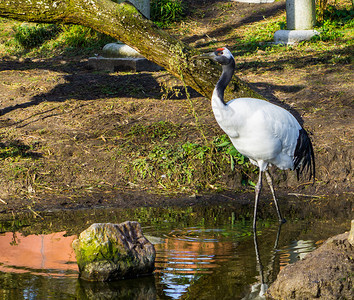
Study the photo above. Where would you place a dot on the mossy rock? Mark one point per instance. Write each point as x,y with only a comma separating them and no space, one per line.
107,252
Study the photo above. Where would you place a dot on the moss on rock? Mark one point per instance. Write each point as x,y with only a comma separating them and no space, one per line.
106,252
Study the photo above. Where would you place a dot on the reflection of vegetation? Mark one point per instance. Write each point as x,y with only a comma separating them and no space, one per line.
240,264
235,219
73,222
142,288
13,225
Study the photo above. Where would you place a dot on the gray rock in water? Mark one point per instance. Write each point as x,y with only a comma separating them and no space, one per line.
107,252
326,273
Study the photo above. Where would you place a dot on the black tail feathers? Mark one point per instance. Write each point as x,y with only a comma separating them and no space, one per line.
304,156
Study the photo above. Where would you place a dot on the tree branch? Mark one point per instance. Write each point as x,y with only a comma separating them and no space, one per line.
125,23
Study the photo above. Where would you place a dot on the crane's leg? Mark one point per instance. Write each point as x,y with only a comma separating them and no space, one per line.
257,191
270,183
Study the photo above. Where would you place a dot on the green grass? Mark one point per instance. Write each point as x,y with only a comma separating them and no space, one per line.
166,12
32,36
156,152
337,28
14,150
174,165
48,40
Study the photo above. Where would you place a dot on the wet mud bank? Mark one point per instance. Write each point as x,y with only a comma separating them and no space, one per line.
72,138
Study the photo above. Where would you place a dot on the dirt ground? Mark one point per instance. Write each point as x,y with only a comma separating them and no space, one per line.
65,122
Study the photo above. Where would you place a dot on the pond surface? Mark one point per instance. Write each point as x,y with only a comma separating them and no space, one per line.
202,253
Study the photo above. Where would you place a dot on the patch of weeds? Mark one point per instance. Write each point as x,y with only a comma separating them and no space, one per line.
328,32
16,149
43,131
333,21
172,166
77,39
135,89
31,36
169,92
76,36
161,130
48,40
224,145
340,16
166,12
188,166
109,90
258,36
17,172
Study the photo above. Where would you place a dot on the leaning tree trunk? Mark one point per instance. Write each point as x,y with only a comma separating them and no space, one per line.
125,23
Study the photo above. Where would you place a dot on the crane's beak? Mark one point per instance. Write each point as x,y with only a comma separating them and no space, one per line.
210,55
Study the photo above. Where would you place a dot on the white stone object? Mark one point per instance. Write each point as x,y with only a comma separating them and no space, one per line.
289,37
119,50
300,14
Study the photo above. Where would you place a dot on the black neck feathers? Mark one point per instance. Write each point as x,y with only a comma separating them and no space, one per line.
225,78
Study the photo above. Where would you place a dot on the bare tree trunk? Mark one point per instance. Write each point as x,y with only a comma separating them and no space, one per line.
125,23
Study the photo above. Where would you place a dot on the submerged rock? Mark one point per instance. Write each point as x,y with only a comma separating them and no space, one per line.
143,289
326,273
107,252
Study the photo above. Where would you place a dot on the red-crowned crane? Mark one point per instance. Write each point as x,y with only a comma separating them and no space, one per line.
265,133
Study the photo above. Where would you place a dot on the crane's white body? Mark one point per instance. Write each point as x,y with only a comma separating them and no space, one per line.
260,130
264,132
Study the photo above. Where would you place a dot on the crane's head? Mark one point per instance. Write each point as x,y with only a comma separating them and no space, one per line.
222,56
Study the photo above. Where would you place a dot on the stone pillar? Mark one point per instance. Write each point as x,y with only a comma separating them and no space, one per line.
300,14
300,20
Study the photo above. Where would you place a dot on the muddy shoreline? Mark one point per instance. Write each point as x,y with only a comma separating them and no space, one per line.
293,205
74,138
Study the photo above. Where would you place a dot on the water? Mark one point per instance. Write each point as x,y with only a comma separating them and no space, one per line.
202,253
